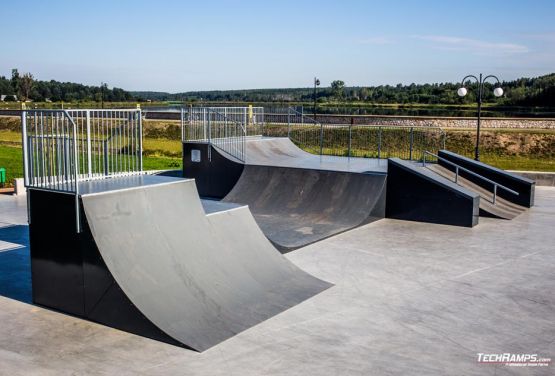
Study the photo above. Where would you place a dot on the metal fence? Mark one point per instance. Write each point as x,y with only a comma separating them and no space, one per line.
64,147
350,140
227,127
224,128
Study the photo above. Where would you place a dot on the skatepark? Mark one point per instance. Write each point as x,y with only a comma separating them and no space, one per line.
262,252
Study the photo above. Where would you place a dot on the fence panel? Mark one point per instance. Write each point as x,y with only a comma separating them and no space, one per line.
64,147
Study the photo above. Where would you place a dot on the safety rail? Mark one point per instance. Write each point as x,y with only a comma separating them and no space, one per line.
347,140
225,130
62,148
460,168
353,140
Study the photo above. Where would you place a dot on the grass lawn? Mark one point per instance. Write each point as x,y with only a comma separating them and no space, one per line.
12,160
161,153
519,163
10,137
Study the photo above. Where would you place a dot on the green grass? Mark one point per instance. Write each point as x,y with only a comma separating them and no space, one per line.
10,137
162,147
11,159
519,163
511,149
162,163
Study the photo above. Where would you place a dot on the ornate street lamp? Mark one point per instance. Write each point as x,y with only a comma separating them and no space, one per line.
498,91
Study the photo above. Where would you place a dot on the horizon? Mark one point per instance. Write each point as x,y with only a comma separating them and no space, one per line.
250,46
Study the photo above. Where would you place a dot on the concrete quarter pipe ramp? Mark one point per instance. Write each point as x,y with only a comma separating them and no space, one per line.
199,278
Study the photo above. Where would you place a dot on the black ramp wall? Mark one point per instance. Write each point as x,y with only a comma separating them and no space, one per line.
295,206
68,273
214,173
417,194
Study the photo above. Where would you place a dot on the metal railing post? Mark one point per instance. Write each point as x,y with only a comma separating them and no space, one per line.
456,174
204,123
106,163
209,129
25,148
245,121
494,193
182,125
140,139
411,142
89,146
288,122
379,142
350,136
321,138
76,165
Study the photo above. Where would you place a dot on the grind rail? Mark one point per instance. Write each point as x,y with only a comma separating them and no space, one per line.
458,168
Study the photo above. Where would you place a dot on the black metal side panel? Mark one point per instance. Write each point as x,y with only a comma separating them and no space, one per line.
56,260
414,194
69,274
215,175
525,187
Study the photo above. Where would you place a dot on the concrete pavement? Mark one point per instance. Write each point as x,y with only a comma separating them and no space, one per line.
410,298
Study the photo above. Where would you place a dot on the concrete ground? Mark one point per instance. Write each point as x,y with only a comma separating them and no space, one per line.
409,299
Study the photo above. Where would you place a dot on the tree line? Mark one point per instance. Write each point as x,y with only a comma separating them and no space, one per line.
25,87
538,91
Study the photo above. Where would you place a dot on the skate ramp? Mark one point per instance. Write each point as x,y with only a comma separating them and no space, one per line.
199,278
282,152
298,206
502,208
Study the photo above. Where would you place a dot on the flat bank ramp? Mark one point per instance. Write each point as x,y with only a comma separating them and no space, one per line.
200,278
298,206
502,208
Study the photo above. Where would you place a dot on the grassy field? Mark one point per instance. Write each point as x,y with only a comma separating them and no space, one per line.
512,149
11,159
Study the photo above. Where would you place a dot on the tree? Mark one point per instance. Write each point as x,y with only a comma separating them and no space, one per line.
15,81
338,89
26,84
364,93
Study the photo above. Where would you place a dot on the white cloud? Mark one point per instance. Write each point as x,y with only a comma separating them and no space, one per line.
479,47
376,40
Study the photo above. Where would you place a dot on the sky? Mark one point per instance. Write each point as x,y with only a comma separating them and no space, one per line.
178,46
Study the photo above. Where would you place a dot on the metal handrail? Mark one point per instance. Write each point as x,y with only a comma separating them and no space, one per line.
457,168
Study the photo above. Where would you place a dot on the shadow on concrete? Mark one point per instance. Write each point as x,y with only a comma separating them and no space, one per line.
15,263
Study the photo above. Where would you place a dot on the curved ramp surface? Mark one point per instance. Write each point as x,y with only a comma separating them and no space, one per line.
200,278
282,152
296,206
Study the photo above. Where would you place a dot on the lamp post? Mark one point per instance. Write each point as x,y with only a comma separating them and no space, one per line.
102,94
316,84
498,91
